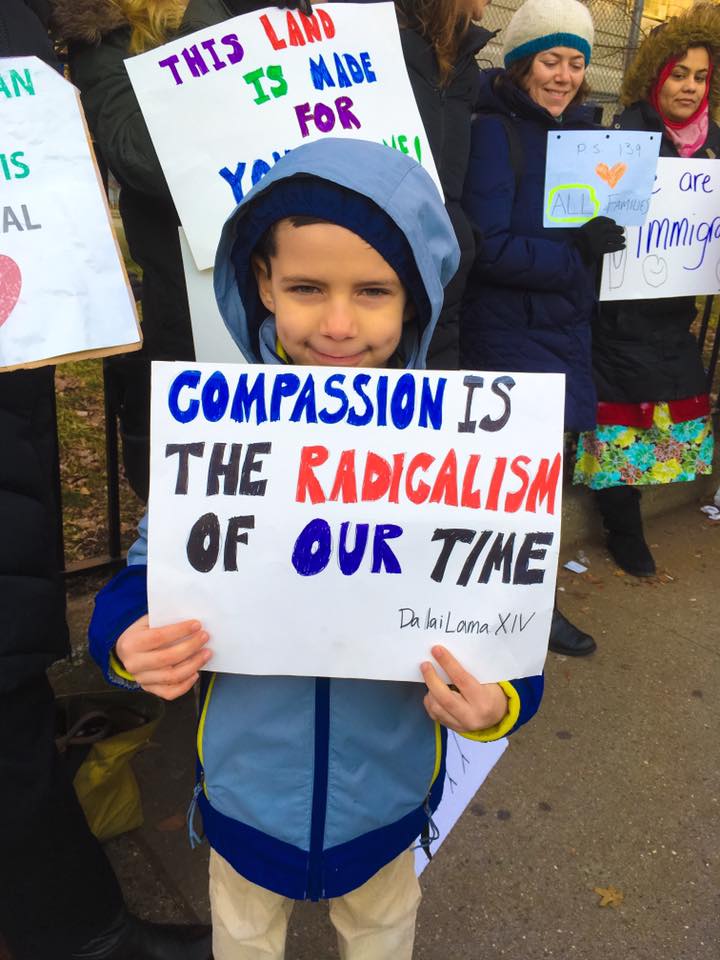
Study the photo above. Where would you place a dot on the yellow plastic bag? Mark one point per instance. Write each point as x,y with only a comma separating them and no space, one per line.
99,734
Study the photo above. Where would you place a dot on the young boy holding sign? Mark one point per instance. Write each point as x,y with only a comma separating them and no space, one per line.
313,788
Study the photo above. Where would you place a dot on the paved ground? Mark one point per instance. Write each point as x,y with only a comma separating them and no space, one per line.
614,784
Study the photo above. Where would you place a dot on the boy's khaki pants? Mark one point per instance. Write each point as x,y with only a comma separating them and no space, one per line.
374,922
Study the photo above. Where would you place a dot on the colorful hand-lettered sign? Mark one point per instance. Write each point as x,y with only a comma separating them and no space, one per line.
224,104
676,252
599,173
340,523
63,288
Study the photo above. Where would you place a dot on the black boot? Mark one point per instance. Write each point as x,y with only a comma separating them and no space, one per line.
133,939
565,638
620,510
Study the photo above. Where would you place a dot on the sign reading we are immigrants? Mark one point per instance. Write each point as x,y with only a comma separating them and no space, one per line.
676,252
339,523
224,104
63,288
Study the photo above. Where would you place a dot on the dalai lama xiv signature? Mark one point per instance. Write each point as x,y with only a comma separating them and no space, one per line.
447,622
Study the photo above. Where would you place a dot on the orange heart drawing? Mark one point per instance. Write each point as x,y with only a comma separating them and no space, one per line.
10,286
611,175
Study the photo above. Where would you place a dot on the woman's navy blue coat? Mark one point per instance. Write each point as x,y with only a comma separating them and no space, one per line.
530,300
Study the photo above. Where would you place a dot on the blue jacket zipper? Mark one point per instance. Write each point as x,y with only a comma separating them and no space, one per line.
315,886
195,838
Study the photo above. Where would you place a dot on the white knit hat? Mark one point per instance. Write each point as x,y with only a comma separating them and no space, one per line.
541,24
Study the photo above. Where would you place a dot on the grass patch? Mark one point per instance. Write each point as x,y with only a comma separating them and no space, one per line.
81,433
83,469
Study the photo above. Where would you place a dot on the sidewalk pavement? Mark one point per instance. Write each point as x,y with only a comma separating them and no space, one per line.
610,796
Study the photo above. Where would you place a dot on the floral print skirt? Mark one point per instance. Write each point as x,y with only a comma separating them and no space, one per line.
667,452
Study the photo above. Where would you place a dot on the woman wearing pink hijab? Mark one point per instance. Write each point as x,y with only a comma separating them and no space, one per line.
654,412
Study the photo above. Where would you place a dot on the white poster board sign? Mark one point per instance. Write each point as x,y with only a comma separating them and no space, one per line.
63,288
340,523
467,765
599,173
676,253
224,104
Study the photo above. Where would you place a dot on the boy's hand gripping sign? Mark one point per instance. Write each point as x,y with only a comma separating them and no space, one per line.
339,523
224,104
64,292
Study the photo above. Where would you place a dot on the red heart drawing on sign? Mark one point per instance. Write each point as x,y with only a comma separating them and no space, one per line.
10,286
611,175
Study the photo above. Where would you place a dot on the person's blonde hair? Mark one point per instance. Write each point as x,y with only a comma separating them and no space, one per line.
443,23
151,21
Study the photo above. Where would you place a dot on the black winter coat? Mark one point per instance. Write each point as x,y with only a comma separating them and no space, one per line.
22,34
530,300
643,350
33,632
446,112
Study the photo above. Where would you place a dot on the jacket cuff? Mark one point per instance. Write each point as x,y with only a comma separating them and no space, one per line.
118,605
503,728
116,669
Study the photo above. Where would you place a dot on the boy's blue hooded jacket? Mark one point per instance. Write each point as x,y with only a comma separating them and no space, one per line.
308,786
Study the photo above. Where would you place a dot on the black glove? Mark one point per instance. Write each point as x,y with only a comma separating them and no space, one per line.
249,6
304,6
597,237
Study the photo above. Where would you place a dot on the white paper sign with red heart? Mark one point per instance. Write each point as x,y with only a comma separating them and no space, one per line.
599,173
63,287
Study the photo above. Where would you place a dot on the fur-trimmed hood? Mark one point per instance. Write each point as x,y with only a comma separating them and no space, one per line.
87,21
700,26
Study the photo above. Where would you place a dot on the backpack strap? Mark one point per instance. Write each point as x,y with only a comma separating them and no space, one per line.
517,153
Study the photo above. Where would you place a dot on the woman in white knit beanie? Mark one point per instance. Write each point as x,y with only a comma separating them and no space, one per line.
564,27
541,24
531,296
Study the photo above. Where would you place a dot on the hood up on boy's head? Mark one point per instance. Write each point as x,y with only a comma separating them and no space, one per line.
378,193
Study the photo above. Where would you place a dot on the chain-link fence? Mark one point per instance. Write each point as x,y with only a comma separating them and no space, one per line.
620,26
